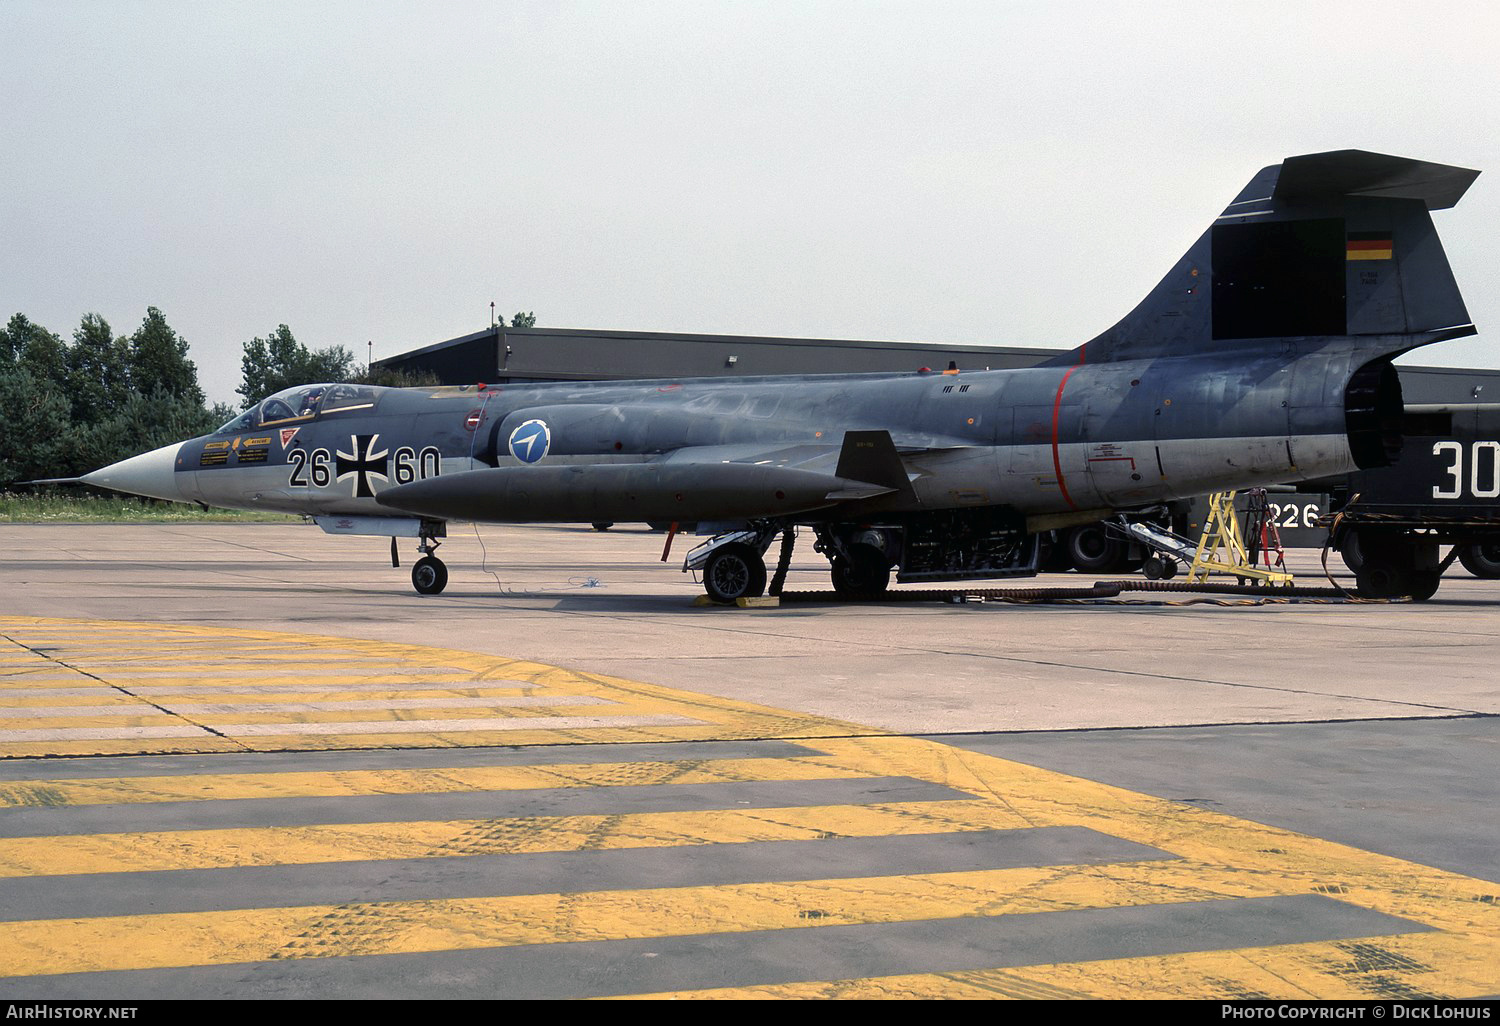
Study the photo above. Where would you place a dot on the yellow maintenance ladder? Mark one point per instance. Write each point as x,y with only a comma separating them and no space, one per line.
1221,547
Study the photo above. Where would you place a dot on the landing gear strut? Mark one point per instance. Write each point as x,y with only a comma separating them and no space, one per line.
861,566
734,564
862,573
429,575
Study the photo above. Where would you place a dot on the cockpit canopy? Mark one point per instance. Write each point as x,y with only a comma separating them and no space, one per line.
301,404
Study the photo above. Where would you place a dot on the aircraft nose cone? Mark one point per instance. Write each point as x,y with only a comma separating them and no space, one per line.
151,473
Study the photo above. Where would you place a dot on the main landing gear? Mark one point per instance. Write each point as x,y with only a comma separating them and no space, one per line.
733,572
734,565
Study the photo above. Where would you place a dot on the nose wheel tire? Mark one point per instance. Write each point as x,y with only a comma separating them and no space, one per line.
429,575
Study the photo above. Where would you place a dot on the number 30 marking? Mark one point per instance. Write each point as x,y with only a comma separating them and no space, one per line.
1484,470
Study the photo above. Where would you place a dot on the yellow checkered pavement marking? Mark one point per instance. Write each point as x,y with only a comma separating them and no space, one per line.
1210,857
157,688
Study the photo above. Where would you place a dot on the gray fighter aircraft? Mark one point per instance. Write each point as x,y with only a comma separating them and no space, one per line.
1264,356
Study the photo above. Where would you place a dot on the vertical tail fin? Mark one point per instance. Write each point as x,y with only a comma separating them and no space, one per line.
1327,245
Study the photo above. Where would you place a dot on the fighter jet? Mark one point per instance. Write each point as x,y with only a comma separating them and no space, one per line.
1264,356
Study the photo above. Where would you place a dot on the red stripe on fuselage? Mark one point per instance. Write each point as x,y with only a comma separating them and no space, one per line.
1062,485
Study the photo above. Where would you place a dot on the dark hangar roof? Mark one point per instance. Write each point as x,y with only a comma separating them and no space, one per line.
571,354
499,355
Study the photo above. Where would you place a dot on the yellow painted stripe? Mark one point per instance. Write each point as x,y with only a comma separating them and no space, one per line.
202,744
226,786
649,712
1399,968
345,732
276,846
1041,797
215,938
22,696
286,709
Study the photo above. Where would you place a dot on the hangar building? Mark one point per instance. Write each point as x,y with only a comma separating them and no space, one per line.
502,355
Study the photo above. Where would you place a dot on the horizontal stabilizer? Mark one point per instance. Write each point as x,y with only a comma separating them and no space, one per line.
1316,176
586,493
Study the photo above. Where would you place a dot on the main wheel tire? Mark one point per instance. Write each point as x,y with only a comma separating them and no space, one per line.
1051,554
734,572
602,525
1093,550
864,574
1482,559
429,575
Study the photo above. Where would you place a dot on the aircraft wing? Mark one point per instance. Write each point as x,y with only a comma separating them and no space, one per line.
699,483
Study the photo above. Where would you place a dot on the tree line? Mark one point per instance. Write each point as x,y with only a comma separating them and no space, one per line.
67,408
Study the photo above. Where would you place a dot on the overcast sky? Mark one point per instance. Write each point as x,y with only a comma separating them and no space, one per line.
1007,173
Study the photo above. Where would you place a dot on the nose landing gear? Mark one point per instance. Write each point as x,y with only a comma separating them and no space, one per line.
429,575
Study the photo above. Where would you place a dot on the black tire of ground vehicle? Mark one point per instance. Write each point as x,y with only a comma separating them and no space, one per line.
1353,556
865,574
1378,579
734,572
1093,550
429,575
1421,585
1482,559
1392,564
1160,568
602,525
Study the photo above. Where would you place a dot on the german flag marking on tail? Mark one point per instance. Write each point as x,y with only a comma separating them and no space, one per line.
1369,246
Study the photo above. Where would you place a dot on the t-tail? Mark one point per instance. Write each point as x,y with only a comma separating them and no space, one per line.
1331,255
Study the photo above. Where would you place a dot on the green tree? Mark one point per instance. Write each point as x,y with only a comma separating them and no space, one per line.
34,425
280,361
139,423
98,370
32,346
523,320
394,378
158,361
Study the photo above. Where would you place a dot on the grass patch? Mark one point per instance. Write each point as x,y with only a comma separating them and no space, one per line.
64,508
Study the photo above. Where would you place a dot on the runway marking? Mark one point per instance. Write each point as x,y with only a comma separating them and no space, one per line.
1415,967
403,927
275,846
349,783
379,733
266,689
1438,935
288,706
500,689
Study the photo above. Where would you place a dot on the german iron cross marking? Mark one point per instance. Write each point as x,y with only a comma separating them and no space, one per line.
364,462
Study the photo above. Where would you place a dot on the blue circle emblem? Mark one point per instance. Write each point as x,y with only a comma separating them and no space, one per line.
530,441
